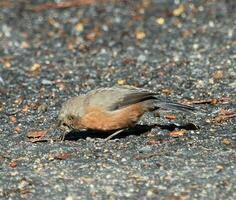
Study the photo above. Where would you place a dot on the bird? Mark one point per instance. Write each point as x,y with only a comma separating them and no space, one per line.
112,109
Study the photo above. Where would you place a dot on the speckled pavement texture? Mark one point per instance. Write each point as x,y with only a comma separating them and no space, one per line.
184,50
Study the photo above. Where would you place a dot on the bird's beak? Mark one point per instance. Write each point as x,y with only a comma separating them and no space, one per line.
58,124
62,127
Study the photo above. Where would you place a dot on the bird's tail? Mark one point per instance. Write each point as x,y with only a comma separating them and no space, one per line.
175,106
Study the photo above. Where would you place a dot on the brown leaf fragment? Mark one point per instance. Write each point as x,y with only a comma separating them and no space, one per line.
170,117
178,133
221,119
223,116
65,4
213,101
37,134
18,129
153,142
13,164
25,109
225,112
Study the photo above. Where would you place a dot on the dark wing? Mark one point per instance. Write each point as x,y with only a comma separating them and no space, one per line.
135,97
117,97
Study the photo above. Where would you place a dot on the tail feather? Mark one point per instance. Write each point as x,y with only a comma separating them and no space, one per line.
175,106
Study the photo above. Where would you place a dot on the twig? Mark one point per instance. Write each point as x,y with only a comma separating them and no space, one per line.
213,101
223,118
65,4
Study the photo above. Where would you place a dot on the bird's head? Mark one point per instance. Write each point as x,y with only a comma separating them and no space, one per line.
66,122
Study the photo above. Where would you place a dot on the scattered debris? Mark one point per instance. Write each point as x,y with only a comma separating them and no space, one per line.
170,117
65,4
213,101
13,164
18,129
223,116
178,133
25,109
226,141
37,134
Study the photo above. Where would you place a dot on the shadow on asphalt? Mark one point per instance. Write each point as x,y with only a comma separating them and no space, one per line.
136,130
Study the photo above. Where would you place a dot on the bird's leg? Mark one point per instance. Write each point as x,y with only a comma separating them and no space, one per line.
113,135
62,137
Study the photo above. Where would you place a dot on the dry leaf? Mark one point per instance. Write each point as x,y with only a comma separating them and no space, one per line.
18,129
224,115
37,134
25,109
170,117
225,112
153,142
13,164
178,133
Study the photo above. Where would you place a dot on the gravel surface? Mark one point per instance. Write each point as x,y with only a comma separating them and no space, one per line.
186,51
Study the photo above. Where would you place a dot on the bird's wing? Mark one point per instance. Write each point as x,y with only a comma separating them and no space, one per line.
117,97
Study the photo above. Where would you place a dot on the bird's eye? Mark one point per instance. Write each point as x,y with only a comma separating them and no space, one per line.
64,124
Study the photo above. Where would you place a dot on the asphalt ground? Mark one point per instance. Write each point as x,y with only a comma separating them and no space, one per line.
184,50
